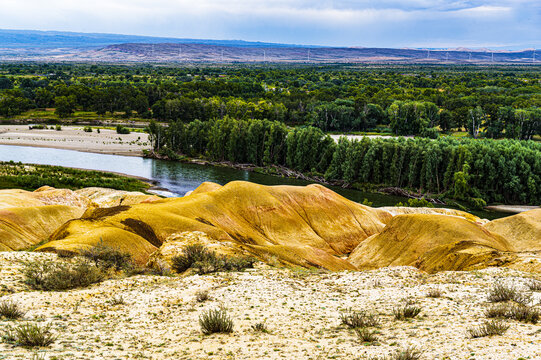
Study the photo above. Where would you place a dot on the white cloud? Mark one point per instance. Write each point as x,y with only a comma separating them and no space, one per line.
354,22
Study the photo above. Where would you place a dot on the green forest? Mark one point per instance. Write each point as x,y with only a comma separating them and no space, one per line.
492,102
471,170
477,129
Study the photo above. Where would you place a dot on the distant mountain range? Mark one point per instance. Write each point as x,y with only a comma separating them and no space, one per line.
64,39
54,46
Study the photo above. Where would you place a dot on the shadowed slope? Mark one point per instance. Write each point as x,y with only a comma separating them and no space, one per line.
522,230
429,242
308,226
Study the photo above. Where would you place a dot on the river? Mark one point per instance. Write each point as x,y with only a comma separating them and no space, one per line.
177,177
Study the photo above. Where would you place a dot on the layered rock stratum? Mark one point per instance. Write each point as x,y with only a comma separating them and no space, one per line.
308,226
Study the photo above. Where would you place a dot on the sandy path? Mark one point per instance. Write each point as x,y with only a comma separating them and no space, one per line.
74,138
301,309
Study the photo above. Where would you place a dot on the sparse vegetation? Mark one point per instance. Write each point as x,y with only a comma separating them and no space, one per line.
61,275
202,296
502,293
117,300
434,293
10,310
366,335
29,335
204,261
489,328
260,327
407,310
534,285
107,257
215,321
31,177
410,353
358,319
517,312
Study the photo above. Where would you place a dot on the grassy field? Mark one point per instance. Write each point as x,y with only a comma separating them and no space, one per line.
31,177
49,115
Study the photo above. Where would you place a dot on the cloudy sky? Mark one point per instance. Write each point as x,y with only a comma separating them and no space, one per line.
383,23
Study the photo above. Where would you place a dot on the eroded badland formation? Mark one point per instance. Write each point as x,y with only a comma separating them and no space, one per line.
318,254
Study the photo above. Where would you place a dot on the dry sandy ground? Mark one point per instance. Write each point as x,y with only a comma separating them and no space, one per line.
159,319
74,138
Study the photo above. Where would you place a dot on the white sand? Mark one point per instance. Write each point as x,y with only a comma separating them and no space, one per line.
74,138
159,319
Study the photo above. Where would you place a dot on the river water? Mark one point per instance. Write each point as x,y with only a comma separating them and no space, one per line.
178,178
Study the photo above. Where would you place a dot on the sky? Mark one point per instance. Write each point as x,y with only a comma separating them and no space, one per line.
509,24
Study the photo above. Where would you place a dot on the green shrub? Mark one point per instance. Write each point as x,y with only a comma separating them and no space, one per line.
502,293
489,328
358,319
61,275
58,128
10,310
366,336
406,311
417,203
260,327
87,129
204,261
202,296
122,130
517,312
29,335
215,321
107,257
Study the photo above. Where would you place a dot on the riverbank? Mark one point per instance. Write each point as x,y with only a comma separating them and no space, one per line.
74,138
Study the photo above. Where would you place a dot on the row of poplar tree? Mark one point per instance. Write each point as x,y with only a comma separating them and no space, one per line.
506,171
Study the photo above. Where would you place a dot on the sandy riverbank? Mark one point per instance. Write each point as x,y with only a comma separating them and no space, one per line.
74,138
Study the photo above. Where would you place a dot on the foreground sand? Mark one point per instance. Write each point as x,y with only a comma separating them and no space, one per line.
74,138
159,319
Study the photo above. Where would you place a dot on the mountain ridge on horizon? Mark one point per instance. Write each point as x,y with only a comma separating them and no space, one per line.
16,38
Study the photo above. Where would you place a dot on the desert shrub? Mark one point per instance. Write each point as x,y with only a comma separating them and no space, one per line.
202,296
358,319
497,311
117,300
204,261
502,293
215,321
405,311
410,353
29,335
87,129
58,128
10,310
260,327
488,328
534,285
107,257
366,335
434,293
61,275
517,312
524,313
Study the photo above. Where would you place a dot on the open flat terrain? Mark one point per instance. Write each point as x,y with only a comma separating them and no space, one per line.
74,138
301,309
